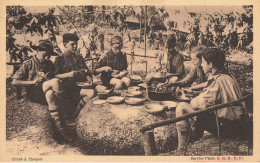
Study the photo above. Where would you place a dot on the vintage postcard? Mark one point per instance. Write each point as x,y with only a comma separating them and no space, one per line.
129,81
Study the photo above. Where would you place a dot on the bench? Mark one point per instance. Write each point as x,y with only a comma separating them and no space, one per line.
148,135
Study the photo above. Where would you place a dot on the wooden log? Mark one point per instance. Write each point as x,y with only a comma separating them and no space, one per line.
141,55
149,143
189,115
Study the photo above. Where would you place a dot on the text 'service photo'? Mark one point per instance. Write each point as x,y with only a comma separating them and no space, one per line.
127,80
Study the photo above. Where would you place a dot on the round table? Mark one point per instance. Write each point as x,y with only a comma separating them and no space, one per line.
113,129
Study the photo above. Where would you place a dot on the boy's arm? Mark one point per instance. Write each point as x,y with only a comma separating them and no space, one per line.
18,82
199,86
101,65
58,69
65,75
21,76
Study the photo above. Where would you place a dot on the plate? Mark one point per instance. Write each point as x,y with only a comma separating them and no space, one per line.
142,86
154,108
98,102
136,78
116,73
115,99
134,101
134,93
84,84
169,104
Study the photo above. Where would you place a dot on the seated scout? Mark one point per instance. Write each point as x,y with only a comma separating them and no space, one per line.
113,60
71,68
36,73
221,88
175,67
196,74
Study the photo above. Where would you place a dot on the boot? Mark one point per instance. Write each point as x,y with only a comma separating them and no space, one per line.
59,125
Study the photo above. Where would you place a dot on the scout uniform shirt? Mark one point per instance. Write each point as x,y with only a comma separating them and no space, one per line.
115,61
196,75
70,62
175,64
29,71
221,88
66,63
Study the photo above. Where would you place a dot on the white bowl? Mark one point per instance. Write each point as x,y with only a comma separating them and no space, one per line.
134,93
169,104
134,101
154,108
115,99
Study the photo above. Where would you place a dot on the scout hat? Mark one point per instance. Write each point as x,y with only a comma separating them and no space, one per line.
45,45
116,40
70,37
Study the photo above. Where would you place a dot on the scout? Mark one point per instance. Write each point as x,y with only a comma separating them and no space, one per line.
115,60
37,75
71,68
196,74
175,67
221,88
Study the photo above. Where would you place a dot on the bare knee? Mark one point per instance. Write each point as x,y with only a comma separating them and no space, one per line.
100,88
127,81
54,84
180,109
88,93
120,85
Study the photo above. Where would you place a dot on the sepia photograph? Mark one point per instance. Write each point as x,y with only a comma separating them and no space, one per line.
129,80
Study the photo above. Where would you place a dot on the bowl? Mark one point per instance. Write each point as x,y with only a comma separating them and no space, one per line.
115,74
154,108
134,101
169,104
158,96
136,78
84,84
115,99
134,93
